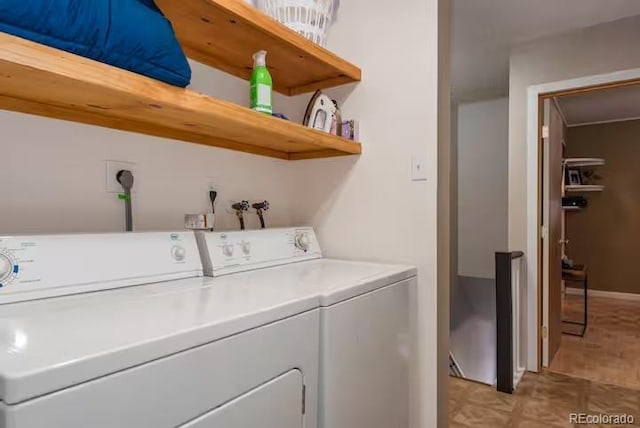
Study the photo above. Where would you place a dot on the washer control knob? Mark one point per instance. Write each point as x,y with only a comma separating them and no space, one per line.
227,250
178,253
246,247
303,241
6,267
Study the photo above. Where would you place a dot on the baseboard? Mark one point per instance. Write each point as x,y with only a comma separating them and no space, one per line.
601,293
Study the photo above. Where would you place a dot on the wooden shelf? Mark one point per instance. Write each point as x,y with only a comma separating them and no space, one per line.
225,33
583,162
40,80
584,188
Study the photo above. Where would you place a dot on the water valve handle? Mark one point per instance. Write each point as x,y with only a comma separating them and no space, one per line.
261,206
241,206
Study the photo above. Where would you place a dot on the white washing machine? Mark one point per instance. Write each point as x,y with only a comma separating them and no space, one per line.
98,349
365,339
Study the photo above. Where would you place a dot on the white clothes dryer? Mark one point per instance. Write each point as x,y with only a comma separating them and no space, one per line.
365,314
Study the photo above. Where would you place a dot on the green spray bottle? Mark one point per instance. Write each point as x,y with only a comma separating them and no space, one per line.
261,84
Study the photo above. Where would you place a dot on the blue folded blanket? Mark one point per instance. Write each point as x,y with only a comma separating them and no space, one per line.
130,34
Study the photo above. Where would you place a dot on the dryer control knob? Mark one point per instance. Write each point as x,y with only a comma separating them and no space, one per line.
227,250
178,253
302,241
246,247
6,267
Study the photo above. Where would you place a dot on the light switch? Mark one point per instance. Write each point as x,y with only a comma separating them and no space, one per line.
419,169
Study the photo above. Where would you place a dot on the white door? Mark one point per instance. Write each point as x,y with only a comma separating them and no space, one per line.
275,404
553,132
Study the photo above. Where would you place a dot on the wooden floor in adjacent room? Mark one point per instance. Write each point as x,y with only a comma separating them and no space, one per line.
541,401
609,352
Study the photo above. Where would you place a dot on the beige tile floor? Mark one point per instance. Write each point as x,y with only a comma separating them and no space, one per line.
543,400
610,350
599,373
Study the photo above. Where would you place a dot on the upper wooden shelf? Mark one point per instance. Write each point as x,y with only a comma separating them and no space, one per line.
225,33
583,162
40,80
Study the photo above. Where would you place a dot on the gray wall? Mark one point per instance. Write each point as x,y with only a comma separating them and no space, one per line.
483,144
480,144
473,327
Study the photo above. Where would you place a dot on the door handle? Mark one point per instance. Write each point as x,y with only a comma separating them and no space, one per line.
563,241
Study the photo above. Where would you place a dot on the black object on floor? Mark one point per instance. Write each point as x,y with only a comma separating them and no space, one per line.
504,320
577,274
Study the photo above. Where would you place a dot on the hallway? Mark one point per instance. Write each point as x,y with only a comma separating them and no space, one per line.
544,400
609,352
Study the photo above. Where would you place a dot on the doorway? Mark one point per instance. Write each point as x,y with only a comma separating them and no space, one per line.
587,208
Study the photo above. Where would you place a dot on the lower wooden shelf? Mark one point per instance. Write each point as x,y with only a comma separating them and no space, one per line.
40,80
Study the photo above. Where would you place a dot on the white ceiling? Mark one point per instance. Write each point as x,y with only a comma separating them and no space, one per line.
485,30
601,106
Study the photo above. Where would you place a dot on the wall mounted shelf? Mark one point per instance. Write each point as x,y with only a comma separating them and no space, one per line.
225,33
572,208
40,80
584,188
583,162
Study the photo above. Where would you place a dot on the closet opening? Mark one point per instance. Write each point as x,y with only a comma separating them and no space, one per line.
589,192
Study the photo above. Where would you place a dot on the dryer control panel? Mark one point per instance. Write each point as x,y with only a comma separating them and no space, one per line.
231,252
40,266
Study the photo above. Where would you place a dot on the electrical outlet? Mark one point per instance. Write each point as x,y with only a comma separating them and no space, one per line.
419,169
111,171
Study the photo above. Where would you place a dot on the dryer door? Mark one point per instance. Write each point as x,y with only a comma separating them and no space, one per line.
276,404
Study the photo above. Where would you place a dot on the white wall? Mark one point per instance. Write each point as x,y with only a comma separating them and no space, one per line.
596,50
483,144
368,207
364,207
53,176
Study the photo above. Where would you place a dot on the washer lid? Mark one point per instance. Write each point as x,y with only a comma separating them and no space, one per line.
51,344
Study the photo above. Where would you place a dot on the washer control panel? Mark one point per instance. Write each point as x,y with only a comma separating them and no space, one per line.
230,252
34,267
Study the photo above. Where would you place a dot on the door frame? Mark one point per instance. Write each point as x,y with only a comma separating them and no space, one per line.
536,94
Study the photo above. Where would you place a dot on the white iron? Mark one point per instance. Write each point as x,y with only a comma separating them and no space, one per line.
320,112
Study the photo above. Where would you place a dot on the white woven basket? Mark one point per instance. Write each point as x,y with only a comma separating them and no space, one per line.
311,18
